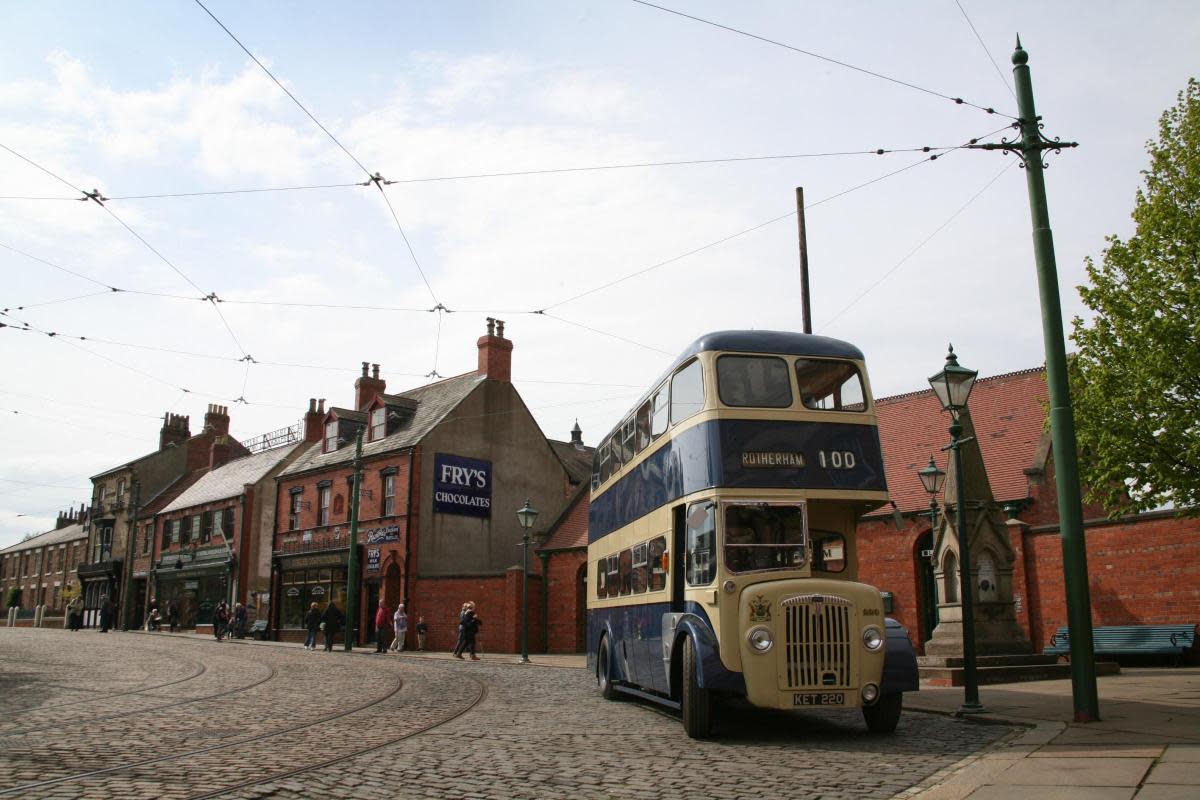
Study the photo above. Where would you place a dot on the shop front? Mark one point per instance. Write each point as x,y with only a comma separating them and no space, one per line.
196,586
302,580
99,581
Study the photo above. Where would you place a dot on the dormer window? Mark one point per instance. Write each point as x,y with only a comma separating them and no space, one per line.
378,423
331,436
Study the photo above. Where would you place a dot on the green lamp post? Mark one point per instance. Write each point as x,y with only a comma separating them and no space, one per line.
526,515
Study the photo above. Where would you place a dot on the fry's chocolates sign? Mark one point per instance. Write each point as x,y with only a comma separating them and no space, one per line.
462,486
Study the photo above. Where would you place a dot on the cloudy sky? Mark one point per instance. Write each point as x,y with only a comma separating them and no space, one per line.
628,264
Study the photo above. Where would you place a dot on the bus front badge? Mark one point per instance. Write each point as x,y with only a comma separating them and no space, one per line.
760,610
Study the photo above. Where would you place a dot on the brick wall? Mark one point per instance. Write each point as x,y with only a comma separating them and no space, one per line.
497,601
567,604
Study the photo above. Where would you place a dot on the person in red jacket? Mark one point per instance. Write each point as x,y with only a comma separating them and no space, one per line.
383,624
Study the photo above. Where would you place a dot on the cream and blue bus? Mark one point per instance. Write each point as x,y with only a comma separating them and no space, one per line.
721,547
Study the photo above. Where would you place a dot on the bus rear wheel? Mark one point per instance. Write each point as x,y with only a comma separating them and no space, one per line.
604,671
696,703
885,714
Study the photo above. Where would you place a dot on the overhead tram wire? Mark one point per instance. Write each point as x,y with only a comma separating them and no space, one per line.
988,52
47,485
605,333
918,247
375,178
59,401
829,60
772,221
878,151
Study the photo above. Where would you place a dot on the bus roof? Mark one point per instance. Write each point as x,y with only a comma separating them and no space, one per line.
782,342
786,343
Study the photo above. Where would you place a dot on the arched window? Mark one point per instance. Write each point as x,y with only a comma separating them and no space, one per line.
950,576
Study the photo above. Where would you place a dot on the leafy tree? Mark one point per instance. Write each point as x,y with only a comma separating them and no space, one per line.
1135,379
14,597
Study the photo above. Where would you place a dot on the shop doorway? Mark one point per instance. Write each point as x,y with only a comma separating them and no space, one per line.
581,609
926,586
371,608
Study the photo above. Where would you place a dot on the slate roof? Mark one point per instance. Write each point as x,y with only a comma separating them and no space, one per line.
578,463
434,402
169,493
228,479
1008,412
64,534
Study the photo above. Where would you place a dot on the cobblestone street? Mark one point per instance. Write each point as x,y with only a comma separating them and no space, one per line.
145,716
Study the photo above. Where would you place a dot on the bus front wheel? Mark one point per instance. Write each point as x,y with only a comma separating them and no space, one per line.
885,714
695,702
604,671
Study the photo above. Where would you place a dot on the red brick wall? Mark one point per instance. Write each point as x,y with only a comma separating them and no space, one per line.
567,605
887,561
497,601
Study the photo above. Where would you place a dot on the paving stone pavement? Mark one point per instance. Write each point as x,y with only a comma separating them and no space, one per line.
133,716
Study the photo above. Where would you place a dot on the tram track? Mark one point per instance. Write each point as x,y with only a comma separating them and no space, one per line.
272,673
191,754
199,669
480,696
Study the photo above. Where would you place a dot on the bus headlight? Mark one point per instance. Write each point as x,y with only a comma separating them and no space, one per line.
870,693
760,639
872,638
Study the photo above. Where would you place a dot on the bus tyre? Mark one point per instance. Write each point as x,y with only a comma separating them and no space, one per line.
885,714
695,702
604,671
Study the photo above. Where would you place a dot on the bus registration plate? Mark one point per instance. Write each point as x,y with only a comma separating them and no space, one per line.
819,699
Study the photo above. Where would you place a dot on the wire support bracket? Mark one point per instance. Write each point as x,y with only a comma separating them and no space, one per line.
94,195
1026,152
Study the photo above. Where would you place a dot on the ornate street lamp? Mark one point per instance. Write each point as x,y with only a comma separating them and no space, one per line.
932,479
953,386
526,515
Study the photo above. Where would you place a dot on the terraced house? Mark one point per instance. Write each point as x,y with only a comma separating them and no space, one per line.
40,571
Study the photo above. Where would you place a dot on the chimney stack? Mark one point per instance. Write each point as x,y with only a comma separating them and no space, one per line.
175,430
313,420
495,352
217,420
366,387
218,454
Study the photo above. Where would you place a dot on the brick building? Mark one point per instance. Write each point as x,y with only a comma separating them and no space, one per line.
1143,569
120,502
444,468
42,569
211,541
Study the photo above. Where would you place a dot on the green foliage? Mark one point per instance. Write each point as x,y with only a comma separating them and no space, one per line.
14,597
1135,379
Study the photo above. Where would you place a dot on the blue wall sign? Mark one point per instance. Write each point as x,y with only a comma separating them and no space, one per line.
373,554
462,486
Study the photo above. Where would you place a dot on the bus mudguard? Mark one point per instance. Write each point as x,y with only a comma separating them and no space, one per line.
712,673
899,661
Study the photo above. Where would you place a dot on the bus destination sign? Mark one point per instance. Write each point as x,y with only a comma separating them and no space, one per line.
759,459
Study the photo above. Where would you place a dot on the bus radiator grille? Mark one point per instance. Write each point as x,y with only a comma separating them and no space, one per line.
817,642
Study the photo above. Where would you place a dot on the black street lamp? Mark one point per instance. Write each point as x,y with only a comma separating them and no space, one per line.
953,386
526,515
932,479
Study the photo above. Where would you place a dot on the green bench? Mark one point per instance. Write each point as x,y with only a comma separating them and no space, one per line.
1170,640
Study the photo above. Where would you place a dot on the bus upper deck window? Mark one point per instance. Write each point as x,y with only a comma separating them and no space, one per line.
830,385
754,381
643,426
658,412
687,392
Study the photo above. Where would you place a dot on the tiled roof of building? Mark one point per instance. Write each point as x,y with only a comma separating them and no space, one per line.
571,530
229,479
434,402
67,533
1008,412
578,463
168,494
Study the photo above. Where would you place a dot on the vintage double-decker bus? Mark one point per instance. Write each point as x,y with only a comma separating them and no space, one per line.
721,536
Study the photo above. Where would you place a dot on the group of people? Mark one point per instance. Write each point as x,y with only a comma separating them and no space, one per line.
330,621
154,617
469,624
229,622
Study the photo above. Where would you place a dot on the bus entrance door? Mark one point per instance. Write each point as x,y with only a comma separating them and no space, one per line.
677,559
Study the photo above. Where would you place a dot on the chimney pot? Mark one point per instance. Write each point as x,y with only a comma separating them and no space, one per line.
312,404
364,369
375,371
321,406
495,353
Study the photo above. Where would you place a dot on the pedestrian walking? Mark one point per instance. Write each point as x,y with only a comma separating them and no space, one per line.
239,621
422,629
220,620
312,624
75,613
155,621
471,623
150,609
400,628
331,623
383,623
461,642
106,613
173,615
